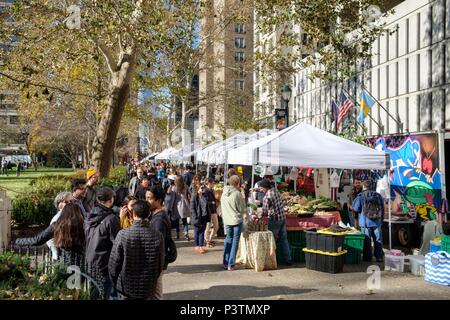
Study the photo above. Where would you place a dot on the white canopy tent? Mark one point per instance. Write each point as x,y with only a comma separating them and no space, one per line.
183,153
150,157
306,146
219,155
164,155
207,154
302,145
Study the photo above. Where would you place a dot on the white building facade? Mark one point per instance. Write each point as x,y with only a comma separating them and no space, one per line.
408,74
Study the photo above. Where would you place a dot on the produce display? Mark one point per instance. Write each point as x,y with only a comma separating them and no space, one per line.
301,206
257,225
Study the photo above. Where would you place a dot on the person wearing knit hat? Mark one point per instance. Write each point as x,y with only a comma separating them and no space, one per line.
92,178
90,173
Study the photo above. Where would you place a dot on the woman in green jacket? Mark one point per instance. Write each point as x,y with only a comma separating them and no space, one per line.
233,210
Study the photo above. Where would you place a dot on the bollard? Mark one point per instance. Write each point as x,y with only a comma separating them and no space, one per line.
5,219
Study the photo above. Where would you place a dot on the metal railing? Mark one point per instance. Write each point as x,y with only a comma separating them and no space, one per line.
87,278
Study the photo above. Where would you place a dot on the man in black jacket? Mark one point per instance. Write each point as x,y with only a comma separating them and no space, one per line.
143,188
137,257
161,222
101,229
92,177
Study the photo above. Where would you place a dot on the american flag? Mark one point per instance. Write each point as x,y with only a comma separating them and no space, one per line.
345,104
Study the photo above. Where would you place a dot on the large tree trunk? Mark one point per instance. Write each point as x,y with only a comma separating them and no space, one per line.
30,153
108,128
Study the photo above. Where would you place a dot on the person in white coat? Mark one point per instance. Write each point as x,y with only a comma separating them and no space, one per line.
60,202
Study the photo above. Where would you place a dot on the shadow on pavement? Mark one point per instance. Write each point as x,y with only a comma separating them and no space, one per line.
235,292
192,269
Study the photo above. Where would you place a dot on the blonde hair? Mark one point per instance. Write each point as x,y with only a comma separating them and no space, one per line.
235,181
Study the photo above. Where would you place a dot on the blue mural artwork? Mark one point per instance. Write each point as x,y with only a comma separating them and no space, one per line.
415,176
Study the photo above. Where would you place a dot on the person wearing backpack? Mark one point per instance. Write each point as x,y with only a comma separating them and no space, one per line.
160,220
369,204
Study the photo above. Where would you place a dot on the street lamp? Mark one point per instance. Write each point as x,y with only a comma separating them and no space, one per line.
286,93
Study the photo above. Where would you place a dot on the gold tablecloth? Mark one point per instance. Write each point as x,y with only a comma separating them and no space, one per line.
257,250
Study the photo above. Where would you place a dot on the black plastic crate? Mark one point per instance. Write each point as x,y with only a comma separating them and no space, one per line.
325,263
324,242
296,238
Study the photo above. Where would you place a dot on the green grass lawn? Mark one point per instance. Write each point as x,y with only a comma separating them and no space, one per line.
19,184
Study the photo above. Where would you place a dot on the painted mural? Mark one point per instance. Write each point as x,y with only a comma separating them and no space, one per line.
415,176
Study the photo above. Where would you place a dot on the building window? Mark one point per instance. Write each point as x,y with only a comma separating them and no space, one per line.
239,42
13,120
241,101
239,84
305,55
239,56
239,28
240,72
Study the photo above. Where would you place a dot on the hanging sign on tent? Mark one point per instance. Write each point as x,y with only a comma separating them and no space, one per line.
258,169
334,180
294,173
280,119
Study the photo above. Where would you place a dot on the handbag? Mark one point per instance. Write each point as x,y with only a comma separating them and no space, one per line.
437,268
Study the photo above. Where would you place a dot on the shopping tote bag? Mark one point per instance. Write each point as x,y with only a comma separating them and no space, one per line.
437,268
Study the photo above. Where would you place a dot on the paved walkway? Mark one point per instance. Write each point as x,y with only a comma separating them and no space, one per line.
200,276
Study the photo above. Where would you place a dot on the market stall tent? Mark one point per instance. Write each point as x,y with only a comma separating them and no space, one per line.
208,153
164,155
183,153
219,155
306,146
303,145
150,157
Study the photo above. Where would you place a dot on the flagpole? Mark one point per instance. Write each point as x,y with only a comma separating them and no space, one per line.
381,127
399,123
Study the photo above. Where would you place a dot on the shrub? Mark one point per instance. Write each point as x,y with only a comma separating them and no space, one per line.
117,177
19,281
23,211
13,268
36,206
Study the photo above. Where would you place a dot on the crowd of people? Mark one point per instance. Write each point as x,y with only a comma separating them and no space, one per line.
5,165
127,237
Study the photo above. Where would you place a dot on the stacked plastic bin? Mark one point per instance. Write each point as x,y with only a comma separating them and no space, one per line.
445,243
297,242
354,244
324,252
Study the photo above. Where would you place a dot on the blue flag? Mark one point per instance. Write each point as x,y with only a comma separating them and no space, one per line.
366,104
334,111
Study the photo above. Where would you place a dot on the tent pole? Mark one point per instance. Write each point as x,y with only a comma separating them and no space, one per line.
295,185
389,210
253,177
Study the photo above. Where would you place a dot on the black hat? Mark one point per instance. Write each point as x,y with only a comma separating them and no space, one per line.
265,183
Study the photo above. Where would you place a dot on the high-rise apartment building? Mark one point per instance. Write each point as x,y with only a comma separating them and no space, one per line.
267,81
226,70
11,141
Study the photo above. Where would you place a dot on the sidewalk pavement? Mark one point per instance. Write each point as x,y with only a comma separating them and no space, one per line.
201,277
